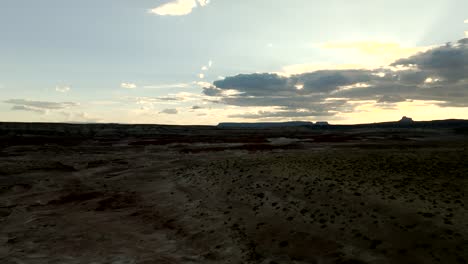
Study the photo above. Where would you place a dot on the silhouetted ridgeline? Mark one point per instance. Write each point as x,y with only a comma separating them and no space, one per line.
449,123
99,130
403,123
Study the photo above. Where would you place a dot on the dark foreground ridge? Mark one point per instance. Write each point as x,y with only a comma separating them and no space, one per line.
386,193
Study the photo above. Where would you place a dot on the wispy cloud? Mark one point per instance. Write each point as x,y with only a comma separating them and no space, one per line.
28,108
128,85
169,85
205,68
178,85
203,2
202,84
38,106
178,7
79,117
41,104
311,67
62,89
169,111
466,21
181,97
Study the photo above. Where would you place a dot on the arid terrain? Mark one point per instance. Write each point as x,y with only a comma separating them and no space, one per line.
163,194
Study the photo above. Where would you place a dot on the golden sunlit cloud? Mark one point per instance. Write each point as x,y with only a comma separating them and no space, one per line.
311,67
375,53
371,55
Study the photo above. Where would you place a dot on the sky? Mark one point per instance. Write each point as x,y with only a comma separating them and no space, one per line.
209,61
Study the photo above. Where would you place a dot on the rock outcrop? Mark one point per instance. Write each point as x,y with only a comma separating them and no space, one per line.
406,120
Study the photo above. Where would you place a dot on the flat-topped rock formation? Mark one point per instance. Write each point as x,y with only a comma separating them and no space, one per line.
265,124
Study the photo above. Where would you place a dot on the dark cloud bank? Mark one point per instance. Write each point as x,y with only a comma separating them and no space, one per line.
440,74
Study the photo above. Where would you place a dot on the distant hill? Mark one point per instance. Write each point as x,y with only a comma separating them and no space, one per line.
409,123
402,123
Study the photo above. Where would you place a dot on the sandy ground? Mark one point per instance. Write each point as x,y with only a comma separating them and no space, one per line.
366,198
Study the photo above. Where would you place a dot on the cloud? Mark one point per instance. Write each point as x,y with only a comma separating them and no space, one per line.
40,104
335,91
164,86
196,107
371,53
169,111
466,21
202,84
176,98
40,107
311,67
448,62
203,2
28,108
79,117
287,114
178,7
253,84
62,89
178,85
205,68
128,85
391,99
375,48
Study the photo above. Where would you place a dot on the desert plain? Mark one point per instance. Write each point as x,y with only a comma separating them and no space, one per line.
130,194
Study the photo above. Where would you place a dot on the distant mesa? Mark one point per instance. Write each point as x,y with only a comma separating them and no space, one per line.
322,123
406,120
266,124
